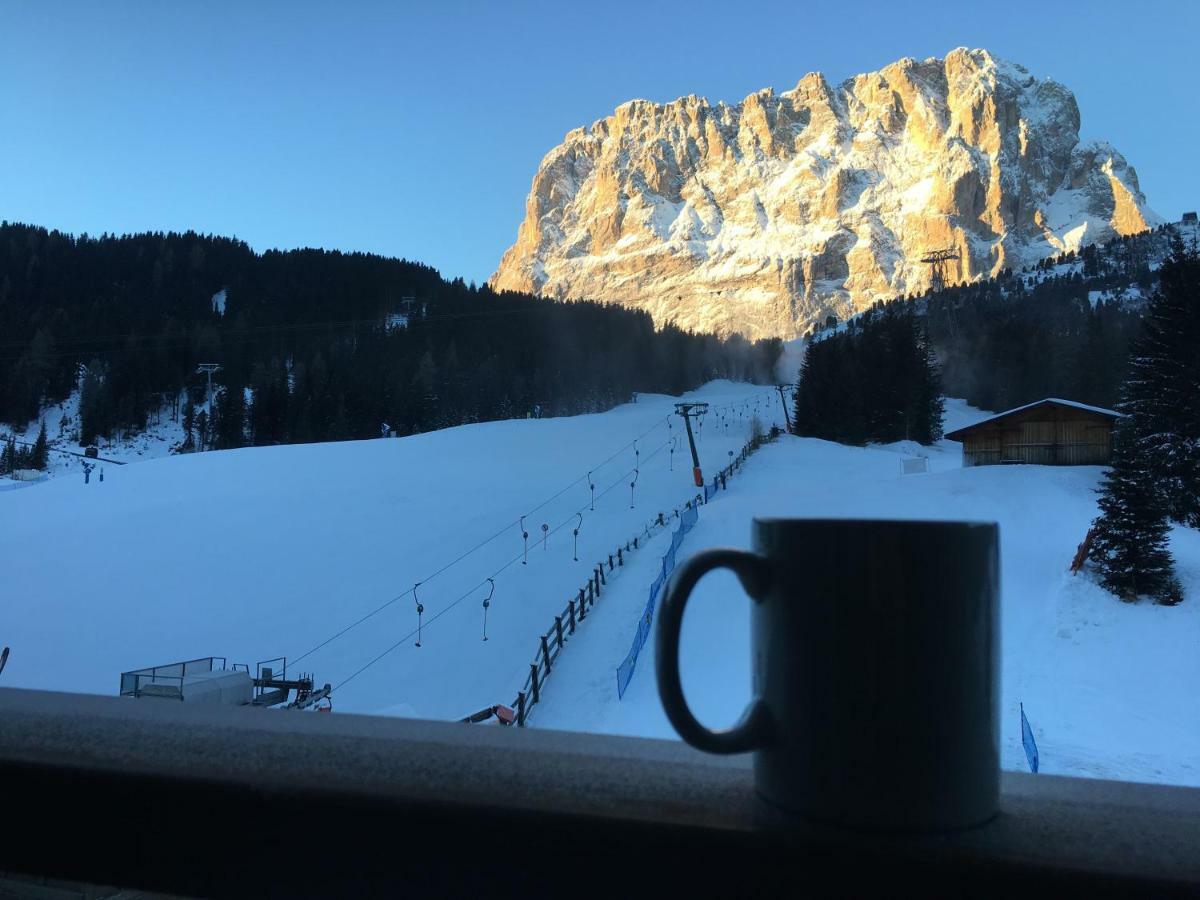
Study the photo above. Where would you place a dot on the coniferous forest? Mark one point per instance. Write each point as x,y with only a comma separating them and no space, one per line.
999,344
876,381
1029,335
313,345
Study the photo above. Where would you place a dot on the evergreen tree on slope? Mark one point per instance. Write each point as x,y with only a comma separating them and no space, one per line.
1130,544
40,455
1162,390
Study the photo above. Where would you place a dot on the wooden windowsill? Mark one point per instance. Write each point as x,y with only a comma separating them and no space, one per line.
249,802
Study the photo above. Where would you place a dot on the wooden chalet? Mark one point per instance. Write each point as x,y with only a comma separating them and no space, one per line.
1050,432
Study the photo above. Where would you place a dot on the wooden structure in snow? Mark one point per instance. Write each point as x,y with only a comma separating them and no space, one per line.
1050,432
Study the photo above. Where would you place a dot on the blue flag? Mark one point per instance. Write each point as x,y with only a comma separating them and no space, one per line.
1029,743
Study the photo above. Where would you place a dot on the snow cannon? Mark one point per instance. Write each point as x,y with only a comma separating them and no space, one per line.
698,475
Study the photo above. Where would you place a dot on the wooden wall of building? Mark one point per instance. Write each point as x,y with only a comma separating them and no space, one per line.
1045,435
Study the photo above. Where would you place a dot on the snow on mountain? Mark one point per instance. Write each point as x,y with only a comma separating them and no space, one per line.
765,216
270,551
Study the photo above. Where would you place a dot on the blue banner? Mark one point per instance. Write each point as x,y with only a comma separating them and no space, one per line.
1031,751
625,670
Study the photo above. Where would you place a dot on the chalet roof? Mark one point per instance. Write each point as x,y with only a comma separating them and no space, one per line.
1049,401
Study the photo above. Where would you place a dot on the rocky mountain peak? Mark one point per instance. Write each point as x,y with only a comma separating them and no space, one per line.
765,216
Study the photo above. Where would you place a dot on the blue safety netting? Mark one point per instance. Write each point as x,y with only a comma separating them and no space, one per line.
1030,745
625,670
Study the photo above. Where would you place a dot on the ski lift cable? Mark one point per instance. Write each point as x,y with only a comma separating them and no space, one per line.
477,587
495,536
473,591
446,609
567,521
466,553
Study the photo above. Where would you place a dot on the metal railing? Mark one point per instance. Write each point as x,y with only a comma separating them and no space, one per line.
134,681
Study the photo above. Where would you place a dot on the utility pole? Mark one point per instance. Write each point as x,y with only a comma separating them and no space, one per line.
786,418
687,410
937,261
208,369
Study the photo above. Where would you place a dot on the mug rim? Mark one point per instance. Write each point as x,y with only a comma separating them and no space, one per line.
848,521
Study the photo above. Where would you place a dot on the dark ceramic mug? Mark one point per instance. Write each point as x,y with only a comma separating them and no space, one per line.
874,648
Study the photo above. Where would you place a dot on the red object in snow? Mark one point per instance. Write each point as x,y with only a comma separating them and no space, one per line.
1081,553
504,714
699,476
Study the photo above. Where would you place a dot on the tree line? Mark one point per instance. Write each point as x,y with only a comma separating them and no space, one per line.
876,381
1028,335
14,456
313,345
1062,327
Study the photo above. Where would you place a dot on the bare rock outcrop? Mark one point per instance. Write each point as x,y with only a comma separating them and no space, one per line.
765,216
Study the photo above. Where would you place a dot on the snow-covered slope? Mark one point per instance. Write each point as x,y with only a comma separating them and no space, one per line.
160,437
764,216
1109,687
262,552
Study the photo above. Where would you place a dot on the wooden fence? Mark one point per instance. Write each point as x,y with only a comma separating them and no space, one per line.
550,644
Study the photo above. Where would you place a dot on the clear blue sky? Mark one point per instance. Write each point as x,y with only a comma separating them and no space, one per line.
414,129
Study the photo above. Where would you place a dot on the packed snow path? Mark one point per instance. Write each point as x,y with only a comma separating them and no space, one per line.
1110,688
264,552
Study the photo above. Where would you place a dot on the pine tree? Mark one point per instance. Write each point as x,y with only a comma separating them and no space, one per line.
1130,544
202,438
877,381
39,457
230,417
95,405
189,425
1162,391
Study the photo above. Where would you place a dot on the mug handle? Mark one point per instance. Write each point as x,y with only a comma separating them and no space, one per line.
754,729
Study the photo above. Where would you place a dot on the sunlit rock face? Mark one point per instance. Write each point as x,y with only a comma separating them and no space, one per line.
765,216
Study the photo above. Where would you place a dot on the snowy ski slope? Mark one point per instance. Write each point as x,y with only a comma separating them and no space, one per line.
265,552
1109,688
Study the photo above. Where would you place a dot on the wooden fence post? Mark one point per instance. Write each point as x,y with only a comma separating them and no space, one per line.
521,709
620,558
546,653
572,608
635,540
582,605
533,682
558,628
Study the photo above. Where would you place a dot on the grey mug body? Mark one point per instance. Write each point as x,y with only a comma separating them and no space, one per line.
875,661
